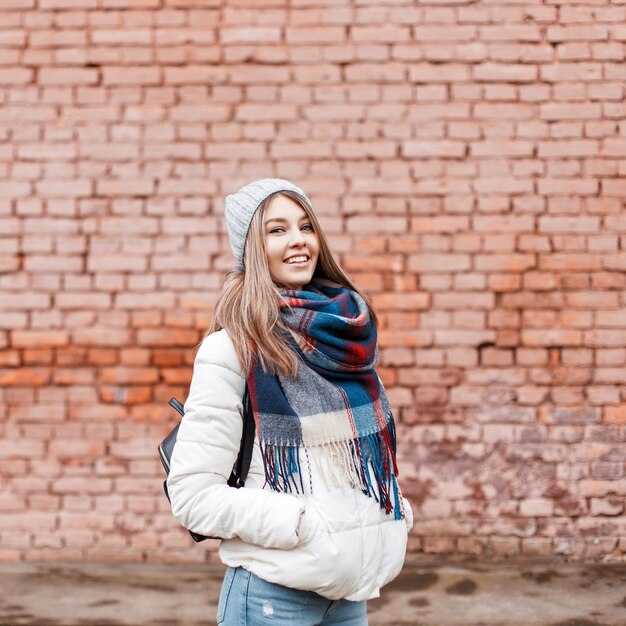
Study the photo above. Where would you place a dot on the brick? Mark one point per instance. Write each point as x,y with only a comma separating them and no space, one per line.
569,224
34,338
537,546
615,414
614,261
499,185
29,377
11,449
250,34
68,4
536,507
586,32
433,149
122,36
101,336
125,187
169,337
15,189
61,189
396,301
117,263
40,413
114,76
24,300
496,72
570,111
439,262
315,35
82,300
601,488
610,357
459,300
512,262
501,149
49,263
510,32
569,262
128,375
566,415
67,76
607,506
14,77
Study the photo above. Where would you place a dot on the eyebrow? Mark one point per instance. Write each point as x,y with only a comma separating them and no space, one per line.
282,219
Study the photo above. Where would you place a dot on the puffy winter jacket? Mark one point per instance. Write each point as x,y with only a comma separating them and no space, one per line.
334,541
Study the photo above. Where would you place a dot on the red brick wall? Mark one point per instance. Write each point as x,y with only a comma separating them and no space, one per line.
467,159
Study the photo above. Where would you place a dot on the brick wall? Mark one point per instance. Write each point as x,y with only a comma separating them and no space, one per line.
467,159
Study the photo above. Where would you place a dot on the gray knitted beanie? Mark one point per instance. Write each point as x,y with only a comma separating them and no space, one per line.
240,207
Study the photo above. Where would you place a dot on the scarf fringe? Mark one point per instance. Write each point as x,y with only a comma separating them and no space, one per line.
343,461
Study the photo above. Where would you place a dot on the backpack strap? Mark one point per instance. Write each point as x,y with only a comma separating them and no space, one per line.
238,476
242,464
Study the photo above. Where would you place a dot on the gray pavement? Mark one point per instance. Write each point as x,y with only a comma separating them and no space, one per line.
479,594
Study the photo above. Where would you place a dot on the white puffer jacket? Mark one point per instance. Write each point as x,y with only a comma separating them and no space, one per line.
335,542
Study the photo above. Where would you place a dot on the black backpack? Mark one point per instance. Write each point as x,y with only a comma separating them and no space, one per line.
237,477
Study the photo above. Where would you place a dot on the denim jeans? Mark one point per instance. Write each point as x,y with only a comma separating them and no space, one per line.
247,600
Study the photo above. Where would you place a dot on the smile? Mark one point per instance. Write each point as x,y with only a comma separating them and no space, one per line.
297,260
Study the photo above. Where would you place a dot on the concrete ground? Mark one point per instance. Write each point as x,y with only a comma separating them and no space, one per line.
486,594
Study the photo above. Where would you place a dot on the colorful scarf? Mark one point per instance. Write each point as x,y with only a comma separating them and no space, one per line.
335,404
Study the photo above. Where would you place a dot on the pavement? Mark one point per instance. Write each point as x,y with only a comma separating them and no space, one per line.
476,594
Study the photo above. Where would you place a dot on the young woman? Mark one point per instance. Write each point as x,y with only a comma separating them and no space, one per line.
320,525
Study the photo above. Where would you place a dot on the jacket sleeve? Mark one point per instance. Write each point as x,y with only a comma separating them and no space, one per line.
206,449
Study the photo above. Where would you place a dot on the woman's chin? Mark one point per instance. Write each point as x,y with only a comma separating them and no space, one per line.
295,280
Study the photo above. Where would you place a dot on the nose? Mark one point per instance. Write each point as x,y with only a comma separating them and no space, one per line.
297,238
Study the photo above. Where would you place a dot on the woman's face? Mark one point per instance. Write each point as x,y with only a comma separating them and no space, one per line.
291,244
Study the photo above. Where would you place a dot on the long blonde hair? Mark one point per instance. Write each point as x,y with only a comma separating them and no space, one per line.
248,307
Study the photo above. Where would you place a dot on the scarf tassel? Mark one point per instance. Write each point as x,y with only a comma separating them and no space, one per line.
368,462
282,464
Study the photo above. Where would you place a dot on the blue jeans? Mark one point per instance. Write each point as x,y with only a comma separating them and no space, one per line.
247,600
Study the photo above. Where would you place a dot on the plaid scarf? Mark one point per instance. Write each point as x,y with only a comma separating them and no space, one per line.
336,404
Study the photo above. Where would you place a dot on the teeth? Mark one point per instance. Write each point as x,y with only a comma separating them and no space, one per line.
296,259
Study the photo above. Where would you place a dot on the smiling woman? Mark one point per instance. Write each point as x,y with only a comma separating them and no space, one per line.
320,525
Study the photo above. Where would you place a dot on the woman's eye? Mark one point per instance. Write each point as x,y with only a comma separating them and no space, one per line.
308,226
276,230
